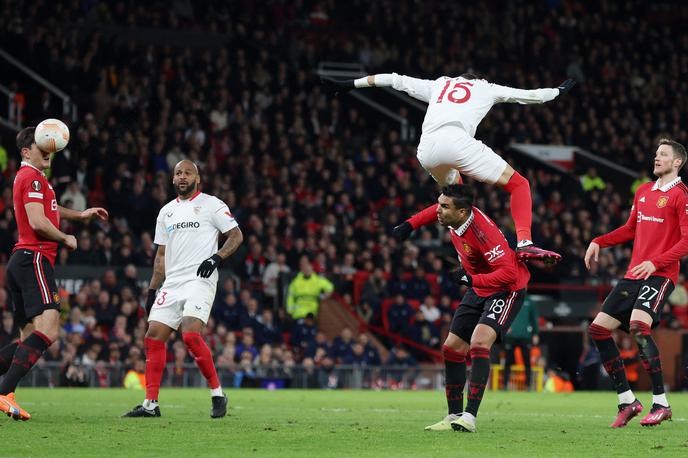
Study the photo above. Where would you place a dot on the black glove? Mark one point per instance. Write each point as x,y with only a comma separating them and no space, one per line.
208,266
337,87
566,86
150,300
402,231
461,277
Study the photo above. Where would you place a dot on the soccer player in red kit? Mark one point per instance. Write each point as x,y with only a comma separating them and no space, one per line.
496,282
30,276
658,226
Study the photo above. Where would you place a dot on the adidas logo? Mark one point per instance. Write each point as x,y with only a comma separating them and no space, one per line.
642,199
492,315
646,304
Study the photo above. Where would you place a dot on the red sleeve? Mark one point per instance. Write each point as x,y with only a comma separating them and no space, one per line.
424,217
622,234
681,248
26,189
497,254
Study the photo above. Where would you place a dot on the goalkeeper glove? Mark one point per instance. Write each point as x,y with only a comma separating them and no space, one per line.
337,87
208,266
566,86
402,231
461,277
150,300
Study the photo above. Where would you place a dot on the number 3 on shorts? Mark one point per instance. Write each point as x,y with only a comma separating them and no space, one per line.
161,298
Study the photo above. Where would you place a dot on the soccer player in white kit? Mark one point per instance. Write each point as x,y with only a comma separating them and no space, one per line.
186,234
447,147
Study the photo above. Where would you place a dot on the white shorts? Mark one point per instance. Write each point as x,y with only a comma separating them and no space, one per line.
192,298
449,151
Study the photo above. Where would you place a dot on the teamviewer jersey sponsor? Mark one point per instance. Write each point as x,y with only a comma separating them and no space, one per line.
189,229
658,226
461,102
486,255
31,186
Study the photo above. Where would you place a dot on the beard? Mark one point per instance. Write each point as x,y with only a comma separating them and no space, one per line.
190,189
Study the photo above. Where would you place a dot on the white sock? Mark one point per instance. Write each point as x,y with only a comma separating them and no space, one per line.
626,397
149,404
660,399
469,417
216,391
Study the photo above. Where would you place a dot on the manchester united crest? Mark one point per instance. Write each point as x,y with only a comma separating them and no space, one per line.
662,201
56,298
466,248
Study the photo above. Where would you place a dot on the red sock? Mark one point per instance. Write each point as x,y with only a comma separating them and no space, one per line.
155,365
424,217
204,359
521,205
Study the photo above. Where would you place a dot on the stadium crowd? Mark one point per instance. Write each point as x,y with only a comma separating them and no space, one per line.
309,174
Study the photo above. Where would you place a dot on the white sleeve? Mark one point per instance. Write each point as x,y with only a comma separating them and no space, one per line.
161,235
415,87
222,218
505,94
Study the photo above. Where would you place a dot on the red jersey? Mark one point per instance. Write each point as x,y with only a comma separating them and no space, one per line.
658,226
487,257
31,185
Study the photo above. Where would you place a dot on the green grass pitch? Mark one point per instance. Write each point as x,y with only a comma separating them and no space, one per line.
73,422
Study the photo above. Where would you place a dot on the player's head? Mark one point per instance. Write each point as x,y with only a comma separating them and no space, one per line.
670,157
455,204
29,151
186,178
469,76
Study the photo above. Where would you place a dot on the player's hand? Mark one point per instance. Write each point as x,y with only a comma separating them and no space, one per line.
566,86
208,266
70,242
461,277
337,87
402,231
643,270
592,255
98,212
150,300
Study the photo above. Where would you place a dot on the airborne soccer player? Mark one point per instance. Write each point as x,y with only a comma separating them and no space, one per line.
658,226
184,270
496,282
30,274
447,148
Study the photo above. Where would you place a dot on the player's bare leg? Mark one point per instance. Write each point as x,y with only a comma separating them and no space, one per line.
601,332
640,326
155,340
481,341
522,214
203,357
454,352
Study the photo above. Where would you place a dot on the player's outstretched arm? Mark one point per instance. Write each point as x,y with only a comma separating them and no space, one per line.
83,216
45,228
415,87
592,255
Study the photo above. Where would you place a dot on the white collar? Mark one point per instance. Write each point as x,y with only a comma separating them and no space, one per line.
667,186
464,227
26,164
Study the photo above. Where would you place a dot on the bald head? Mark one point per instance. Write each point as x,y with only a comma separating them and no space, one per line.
186,178
188,163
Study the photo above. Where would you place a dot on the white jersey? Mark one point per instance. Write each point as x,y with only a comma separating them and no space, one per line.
461,102
189,229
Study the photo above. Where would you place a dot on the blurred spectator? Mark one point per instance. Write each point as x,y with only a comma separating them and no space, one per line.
590,181
399,315
271,277
306,290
